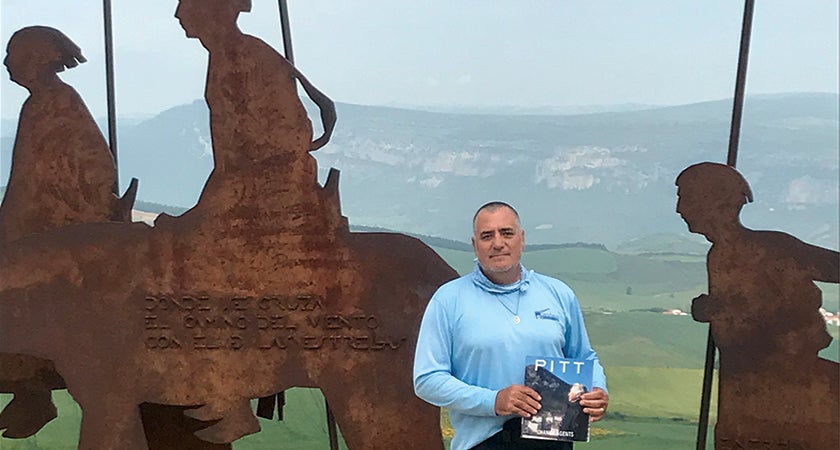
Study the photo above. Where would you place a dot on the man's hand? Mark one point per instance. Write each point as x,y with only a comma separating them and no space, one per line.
517,399
594,403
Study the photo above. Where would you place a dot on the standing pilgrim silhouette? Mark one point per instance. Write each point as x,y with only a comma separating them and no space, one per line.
762,306
62,173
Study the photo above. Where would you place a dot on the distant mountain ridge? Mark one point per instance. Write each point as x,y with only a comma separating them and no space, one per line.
603,177
508,110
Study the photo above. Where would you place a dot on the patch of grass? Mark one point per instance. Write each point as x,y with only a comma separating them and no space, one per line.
446,424
631,433
670,275
657,393
461,261
571,261
676,257
647,339
601,279
612,295
651,408
304,425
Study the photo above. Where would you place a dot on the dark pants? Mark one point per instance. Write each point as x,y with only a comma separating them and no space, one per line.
509,439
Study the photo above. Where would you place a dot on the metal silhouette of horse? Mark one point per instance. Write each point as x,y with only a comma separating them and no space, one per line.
258,288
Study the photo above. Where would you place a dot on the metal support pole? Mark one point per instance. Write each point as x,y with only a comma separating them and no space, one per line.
331,427
731,159
109,80
706,396
740,83
286,28
287,31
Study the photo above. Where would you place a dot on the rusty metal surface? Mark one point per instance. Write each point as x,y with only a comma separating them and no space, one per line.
258,288
62,170
62,173
763,309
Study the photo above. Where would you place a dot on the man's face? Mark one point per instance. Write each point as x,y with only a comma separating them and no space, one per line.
498,242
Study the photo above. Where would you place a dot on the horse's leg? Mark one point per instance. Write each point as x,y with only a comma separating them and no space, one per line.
167,428
379,410
30,409
109,423
235,419
30,379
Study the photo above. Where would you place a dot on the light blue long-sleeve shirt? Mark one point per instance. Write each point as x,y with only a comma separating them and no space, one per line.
470,347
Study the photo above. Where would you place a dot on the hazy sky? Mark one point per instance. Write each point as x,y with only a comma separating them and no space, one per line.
460,52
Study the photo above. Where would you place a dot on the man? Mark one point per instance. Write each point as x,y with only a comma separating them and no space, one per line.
478,330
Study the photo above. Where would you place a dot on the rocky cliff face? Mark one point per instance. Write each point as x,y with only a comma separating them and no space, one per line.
602,177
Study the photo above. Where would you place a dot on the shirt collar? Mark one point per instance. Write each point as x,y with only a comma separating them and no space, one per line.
484,283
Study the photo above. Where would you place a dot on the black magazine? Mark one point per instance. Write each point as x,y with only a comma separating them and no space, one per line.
560,382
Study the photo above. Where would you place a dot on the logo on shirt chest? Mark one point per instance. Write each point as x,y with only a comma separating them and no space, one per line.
547,314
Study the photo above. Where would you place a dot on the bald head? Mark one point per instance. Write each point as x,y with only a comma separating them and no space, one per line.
494,206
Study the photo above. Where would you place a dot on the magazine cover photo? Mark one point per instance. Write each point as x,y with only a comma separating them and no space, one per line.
560,382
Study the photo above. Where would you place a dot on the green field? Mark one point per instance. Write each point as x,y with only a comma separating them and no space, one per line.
653,361
303,428
645,339
634,421
642,434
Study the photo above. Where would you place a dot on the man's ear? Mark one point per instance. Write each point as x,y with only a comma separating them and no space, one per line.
472,240
523,239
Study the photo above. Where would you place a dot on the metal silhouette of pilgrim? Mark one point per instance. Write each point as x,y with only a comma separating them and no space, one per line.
763,309
62,173
258,288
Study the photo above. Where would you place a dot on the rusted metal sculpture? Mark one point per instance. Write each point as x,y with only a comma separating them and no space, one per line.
62,173
762,306
258,288
62,170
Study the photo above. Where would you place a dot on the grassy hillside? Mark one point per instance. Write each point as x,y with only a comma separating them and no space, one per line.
664,243
571,261
646,339
305,429
303,426
677,398
644,434
601,278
